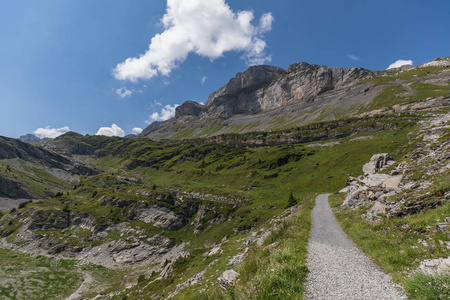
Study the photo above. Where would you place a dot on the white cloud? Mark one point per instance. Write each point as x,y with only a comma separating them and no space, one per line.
123,92
48,132
400,63
352,57
114,130
136,130
166,113
207,28
204,78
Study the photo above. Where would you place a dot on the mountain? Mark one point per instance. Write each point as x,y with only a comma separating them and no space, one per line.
33,172
265,98
13,148
215,203
72,143
32,139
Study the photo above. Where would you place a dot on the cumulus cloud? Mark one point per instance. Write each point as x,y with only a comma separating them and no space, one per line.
204,78
400,63
136,130
114,130
352,57
48,132
207,28
166,113
123,92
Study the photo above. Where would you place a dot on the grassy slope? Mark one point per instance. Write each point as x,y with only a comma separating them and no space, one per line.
37,180
26,277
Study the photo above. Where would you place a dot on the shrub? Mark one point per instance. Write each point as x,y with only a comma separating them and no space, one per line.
291,201
66,208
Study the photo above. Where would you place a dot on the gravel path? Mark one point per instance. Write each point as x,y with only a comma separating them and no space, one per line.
338,269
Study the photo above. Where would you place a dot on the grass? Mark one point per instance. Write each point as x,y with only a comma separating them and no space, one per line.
426,287
34,178
104,280
277,270
26,277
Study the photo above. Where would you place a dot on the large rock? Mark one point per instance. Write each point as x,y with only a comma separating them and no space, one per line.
228,279
154,248
377,162
435,266
161,217
373,185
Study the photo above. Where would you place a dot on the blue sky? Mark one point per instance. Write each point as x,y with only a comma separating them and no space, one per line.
69,64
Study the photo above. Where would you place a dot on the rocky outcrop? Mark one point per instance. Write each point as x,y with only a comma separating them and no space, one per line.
189,108
12,189
377,162
303,82
429,104
238,95
161,217
404,189
228,279
266,87
437,62
435,266
134,251
373,188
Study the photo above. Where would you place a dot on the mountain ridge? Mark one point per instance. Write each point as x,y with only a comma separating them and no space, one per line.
265,98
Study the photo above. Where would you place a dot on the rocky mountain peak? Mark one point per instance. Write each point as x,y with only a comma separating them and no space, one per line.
189,108
250,80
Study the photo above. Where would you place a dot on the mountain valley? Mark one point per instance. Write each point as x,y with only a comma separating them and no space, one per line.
215,202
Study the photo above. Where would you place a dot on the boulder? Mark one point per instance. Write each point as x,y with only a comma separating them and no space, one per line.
374,214
435,266
377,162
228,279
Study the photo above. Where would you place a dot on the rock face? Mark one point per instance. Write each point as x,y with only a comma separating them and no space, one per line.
12,189
189,108
266,87
239,95
266,98
303,82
